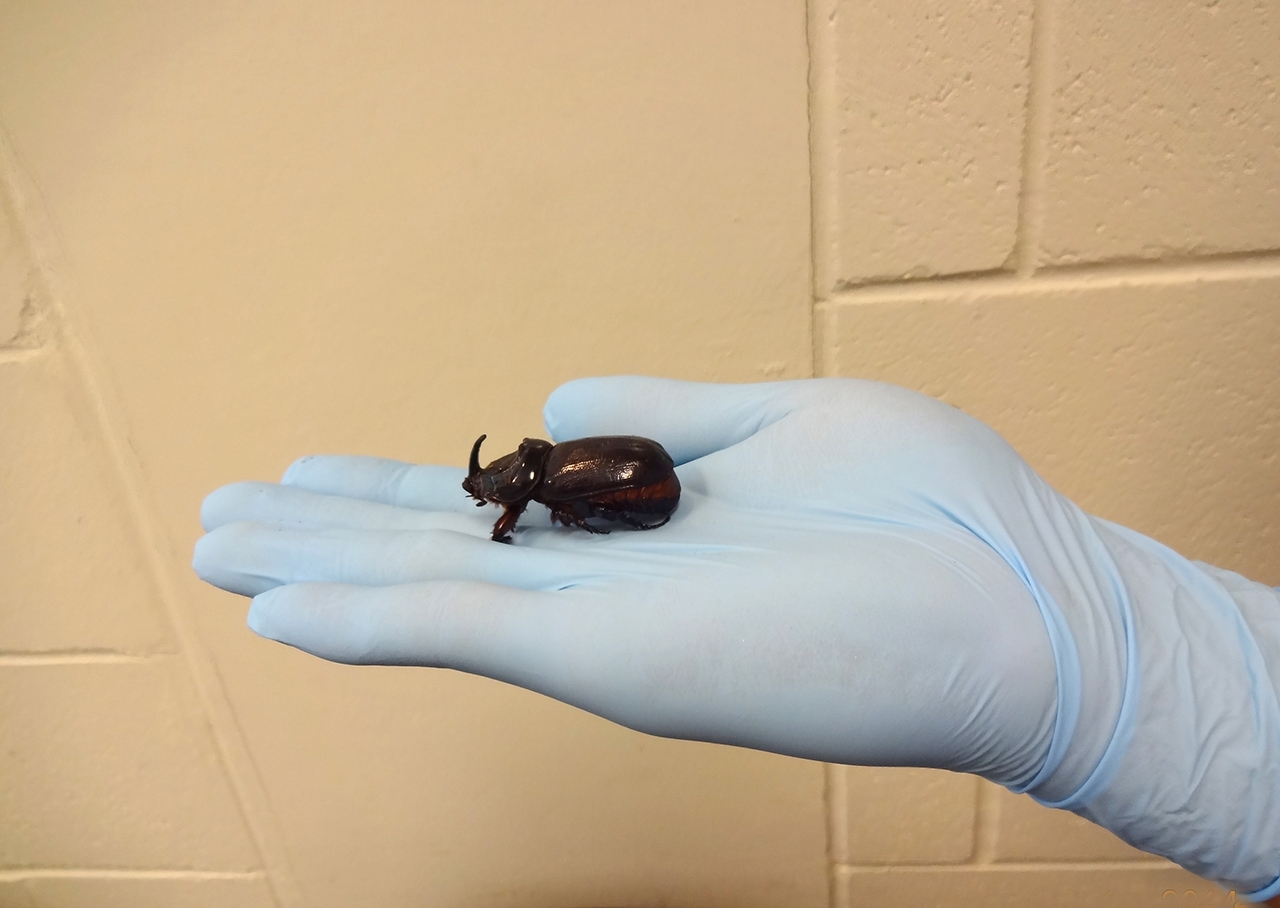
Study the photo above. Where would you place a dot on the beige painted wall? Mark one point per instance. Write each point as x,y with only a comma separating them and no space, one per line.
235,232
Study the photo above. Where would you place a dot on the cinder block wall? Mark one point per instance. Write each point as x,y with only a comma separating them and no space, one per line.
236,232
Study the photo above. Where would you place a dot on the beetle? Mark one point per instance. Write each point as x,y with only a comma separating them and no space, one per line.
624,478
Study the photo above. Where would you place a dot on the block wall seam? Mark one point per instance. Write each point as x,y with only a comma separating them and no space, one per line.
822,104
834,796
986,825
39,238
1013,867
1035,141
77,657
1261,256
31,874
1185,266
1233,267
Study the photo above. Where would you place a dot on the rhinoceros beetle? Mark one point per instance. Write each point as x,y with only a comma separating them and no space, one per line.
616,477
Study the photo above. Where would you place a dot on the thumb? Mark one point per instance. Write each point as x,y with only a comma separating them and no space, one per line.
689,419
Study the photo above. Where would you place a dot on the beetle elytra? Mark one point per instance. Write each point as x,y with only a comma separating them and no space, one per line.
624,478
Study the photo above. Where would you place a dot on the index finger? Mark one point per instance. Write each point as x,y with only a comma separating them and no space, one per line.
423,487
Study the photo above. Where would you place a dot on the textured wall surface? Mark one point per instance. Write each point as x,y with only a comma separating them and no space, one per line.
235,232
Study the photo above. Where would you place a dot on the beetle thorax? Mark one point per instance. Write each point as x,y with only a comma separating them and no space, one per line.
511,478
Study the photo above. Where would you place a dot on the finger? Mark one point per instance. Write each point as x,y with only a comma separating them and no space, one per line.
271,503
251,558
476,627
562,644
393,482
689,419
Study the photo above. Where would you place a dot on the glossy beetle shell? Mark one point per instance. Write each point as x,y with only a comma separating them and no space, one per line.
623,478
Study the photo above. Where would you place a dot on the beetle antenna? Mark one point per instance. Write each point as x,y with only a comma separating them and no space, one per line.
474,466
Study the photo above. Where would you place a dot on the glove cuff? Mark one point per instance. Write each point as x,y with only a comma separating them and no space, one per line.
1192,771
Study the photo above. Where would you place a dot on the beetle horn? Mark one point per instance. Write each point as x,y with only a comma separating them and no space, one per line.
473,467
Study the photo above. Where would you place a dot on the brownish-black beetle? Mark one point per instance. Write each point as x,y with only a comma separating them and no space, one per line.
616,477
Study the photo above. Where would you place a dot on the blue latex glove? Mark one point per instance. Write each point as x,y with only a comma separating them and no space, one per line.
856,573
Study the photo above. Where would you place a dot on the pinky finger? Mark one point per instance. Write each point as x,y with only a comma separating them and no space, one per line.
576,646
476,627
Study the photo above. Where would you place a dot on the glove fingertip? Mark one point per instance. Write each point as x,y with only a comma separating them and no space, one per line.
264,613
219,506
296,469
204,557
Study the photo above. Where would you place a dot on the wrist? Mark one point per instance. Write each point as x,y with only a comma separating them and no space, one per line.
1195,752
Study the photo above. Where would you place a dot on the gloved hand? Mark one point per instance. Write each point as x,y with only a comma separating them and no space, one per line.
856,573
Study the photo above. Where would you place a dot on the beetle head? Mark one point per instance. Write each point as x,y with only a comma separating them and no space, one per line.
508,479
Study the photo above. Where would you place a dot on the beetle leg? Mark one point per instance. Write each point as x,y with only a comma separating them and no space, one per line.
635,522
507,522
569,518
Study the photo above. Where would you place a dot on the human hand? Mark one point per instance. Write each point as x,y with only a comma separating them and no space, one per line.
805,598
856,573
